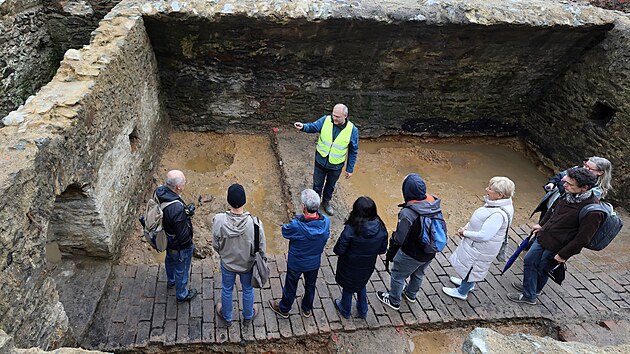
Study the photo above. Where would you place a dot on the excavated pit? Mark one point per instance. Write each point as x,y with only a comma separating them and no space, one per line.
456,170
80,158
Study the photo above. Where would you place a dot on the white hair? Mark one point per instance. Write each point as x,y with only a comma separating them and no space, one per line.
310,199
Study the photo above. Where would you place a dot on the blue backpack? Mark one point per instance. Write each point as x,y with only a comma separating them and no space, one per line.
433,232
609,228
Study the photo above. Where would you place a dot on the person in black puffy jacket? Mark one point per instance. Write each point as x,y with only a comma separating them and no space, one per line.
178,226
363,238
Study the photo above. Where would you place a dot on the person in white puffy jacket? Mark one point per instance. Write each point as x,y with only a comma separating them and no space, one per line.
482,236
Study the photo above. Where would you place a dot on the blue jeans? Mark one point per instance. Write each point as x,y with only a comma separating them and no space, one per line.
290,287
177,264
465,286
331,176
227,281
404,267
534,276
346,303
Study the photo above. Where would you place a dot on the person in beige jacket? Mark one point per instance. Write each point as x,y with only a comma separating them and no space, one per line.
482,236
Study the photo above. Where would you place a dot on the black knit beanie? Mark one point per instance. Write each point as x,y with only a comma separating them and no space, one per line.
236,196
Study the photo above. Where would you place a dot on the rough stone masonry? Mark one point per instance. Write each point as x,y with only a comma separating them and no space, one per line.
75,157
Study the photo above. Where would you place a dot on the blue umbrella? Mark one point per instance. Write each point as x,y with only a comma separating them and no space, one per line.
518,251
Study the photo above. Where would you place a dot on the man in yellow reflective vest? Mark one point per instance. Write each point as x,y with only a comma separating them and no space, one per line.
338,138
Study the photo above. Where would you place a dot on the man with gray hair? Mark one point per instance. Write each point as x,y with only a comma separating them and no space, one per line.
338,138
177,224
307,234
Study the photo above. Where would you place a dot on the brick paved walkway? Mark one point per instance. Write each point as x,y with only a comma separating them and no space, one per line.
137,309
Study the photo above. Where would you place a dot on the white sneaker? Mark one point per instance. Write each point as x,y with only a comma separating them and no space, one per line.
458,282
452,292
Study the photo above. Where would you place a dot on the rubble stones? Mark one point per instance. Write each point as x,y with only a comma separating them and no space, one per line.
484,340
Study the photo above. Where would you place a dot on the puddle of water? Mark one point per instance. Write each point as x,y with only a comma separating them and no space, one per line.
53,254
457,173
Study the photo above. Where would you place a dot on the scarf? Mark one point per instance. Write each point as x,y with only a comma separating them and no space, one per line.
577,198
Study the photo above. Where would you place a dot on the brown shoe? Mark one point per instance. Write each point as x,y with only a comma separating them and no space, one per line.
254,315
218,309
275,307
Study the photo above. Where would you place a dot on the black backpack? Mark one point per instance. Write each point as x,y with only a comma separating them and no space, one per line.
609,228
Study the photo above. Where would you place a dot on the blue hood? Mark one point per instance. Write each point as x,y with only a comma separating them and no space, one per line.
414,188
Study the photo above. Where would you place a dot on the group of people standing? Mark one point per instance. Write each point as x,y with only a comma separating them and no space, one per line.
235,232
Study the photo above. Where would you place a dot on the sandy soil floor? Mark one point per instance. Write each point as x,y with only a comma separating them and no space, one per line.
456,173
455,170
211,162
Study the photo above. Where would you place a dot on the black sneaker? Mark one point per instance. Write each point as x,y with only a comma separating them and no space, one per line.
170,286
191,294
516,297
328,208
275,307
407,297
519,287
384,297
305,313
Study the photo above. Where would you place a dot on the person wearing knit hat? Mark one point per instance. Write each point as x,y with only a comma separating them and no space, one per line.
236,196
233,239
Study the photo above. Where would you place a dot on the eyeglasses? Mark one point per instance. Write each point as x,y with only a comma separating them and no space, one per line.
586,166
569,183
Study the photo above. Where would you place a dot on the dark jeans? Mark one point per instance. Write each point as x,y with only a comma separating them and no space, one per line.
290,287
346,303
330,176
534,276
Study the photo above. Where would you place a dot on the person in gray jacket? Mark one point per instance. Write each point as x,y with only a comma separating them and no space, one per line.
233,239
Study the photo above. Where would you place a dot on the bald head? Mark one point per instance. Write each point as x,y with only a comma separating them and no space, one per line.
175,181
340,113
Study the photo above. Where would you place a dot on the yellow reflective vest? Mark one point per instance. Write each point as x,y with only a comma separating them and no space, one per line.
335,150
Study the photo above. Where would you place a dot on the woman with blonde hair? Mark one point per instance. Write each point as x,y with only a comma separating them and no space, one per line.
483,237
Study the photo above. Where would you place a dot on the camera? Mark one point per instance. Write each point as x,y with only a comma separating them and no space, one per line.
190,209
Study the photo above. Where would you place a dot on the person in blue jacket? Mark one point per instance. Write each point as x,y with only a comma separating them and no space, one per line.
307,234
338,138
363,238
178,225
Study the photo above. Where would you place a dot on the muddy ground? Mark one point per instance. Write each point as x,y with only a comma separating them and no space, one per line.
211,162
274,168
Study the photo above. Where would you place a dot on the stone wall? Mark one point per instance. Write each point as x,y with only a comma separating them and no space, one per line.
28,58
456,67
586,112
34,34
71,21
92,134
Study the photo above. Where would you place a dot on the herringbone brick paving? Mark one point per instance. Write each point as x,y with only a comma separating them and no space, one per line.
138,309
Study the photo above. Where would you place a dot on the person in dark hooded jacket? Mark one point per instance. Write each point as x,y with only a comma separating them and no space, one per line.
406,247
178,226
362,239
307,234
